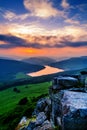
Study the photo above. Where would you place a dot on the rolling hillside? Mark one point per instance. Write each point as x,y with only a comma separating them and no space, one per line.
9,68
72,63
11,112
39,60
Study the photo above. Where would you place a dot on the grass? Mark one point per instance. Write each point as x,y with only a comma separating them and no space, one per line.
21,75
9,98
10,110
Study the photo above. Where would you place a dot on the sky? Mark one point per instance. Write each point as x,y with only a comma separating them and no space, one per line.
51,28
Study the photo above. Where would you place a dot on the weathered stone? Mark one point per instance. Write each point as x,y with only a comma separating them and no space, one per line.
83,77
31,126
47,109
23,123
66,108
78,89
41,104
40,118
86,84
46,126
47,112
56,106
64,82
23,120
69,109
74,111
48,101
59,121
37,128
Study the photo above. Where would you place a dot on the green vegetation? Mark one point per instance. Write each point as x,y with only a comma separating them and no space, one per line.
34,80
9,68
9,98
11,110
21,75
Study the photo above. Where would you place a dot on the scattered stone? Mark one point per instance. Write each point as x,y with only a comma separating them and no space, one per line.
46,126
41,104
37,128
23,120
23,123
40,118
31,126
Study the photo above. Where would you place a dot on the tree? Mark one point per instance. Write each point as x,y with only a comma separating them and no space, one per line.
23,101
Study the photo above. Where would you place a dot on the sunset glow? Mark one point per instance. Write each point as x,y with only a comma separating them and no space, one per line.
54,28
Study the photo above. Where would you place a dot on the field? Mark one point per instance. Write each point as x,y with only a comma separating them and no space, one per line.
10,98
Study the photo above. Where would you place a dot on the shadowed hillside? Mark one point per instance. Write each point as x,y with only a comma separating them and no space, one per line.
39,60
9,68
72,63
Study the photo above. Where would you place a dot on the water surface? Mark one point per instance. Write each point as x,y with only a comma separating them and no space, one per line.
47,70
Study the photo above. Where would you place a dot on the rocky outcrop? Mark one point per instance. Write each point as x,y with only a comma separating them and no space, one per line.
40,118
69,104
64,82
41,123
74,111
65,108
83,77
42,113
45,126
69,110
43,105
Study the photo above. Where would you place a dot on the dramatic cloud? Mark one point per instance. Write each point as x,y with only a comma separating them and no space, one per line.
42,8
56,25
8,41
76,44
11,41
34,29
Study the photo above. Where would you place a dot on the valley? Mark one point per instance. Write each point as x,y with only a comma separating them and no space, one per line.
21,80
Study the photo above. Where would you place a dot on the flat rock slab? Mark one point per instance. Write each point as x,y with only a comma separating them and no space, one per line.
64,82
74,110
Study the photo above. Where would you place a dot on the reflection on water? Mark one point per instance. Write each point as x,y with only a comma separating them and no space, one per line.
47,70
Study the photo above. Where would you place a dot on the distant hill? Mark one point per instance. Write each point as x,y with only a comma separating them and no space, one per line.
72,63
9,68
39,60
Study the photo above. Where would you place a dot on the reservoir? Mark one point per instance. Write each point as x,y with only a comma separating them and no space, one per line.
47,70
